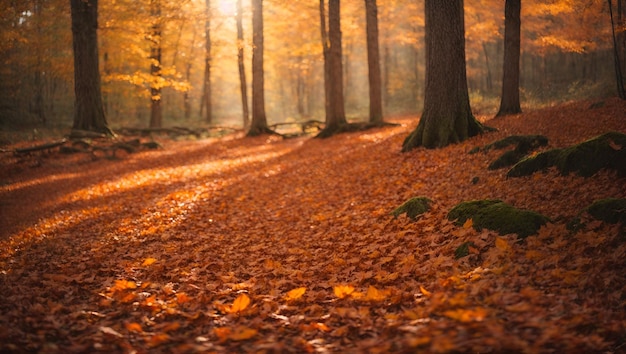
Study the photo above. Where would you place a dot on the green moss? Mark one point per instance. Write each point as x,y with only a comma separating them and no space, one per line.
610,210
523,143
587,158
463,250
413,207
498,216
466,210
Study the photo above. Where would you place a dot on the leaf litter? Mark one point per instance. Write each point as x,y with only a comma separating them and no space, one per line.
269,245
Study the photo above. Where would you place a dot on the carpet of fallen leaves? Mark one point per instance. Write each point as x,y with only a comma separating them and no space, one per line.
269,245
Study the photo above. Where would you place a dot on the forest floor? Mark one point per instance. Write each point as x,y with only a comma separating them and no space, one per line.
269,245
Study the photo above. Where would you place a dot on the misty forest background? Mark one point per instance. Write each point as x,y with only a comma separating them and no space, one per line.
566,54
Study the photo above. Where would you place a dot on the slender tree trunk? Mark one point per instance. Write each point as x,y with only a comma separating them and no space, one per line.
336,116
205,101
488,79
242,70
258,125
373,62
447,117
619,78
326,50
88,107
39,105
509,100
156,111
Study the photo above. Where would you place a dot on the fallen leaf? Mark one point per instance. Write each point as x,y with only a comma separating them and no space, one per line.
241,303
148,261
295,294
343,291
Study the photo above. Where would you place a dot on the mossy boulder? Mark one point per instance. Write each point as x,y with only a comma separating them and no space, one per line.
610,210
498,216
413,207
523,144
587,158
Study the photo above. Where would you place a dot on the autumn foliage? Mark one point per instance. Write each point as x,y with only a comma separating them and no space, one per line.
270,245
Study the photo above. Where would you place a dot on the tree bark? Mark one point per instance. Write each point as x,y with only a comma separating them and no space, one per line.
242,70
258,125
88,107
325,51
205,101
335,116
156,111
509,101
447,117
373,62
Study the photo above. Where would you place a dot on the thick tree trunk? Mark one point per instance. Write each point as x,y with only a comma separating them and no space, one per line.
205,101
258,125
336,116
88,107
156,111
373,62
242,70
509,101
447,117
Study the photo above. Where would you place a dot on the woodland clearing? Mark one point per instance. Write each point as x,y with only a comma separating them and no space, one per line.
270,245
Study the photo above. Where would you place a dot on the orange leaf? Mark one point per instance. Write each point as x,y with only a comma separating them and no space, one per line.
182,298
465,316
222,333
295,294
243,333
468,223
123,285
134,327
342,291
501,244
425,292
241,302
148,261
158,339
374,294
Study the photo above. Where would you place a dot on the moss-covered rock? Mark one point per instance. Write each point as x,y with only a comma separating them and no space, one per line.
498,216
413,207
524,144
587,158
610,210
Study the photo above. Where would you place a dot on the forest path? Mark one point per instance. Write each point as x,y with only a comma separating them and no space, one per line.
149,252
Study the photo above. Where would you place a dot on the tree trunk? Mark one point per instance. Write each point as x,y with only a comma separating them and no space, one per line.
373,62
156,111
336,116
258,125
88,107
509,101
326,50
205,100
242,70
447,117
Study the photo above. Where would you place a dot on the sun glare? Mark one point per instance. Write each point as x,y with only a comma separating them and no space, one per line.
227,7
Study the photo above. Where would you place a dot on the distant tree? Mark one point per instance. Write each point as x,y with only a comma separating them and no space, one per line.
373,62
618,42
88,106
205,101
509,102
242,70
156,110
258,125
447,117
325,52
335,114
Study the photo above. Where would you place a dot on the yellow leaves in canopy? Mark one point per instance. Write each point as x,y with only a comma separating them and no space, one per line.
295,294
